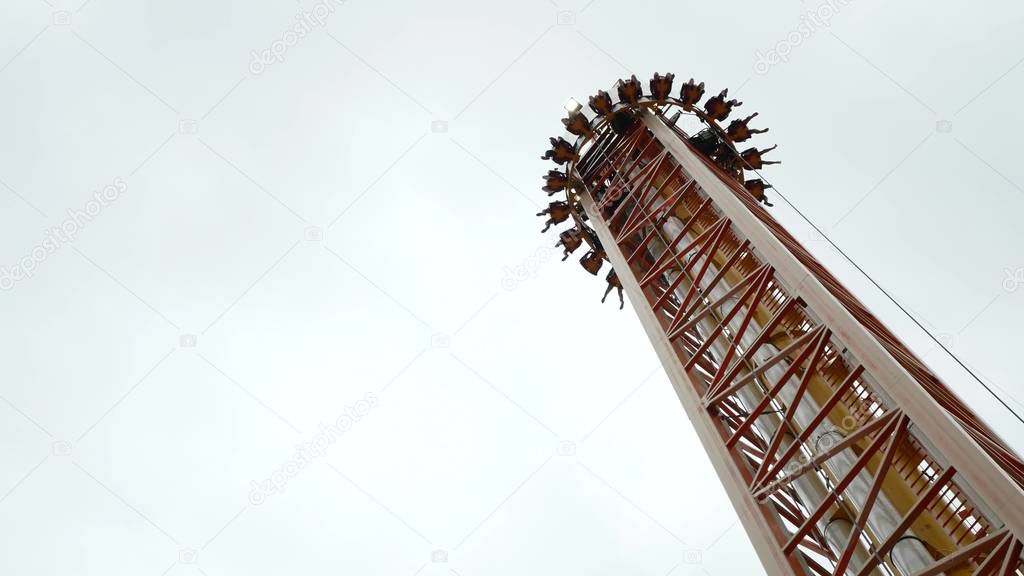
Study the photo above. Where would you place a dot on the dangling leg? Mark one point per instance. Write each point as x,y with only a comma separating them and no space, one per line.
606,292
549,223
621,301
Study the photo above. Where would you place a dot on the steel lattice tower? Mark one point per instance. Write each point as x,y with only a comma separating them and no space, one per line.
841,452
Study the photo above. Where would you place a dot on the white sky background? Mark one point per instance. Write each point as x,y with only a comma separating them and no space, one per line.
125,453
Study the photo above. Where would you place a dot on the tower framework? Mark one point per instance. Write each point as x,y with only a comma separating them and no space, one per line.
840,450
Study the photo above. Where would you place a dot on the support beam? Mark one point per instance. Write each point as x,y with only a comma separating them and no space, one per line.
964,452
763,533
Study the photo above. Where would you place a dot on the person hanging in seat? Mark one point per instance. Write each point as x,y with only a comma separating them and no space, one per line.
661,87
718,107
752,157
738,131
555,182
557,212
592,261
613,282
570,240
601,103
756,187
691,94
630,90
561,151
577,124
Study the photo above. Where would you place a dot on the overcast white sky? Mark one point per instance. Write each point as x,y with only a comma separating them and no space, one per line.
284,237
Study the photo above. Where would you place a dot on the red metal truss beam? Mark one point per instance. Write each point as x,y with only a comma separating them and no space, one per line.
728,373
942,423
815,566
787,509
624,150
993,561
883,470
691,318
796,344
851,439
686,308
980,546
908,519
754,293
787,417
628,180
708,340
664,262
1012,560
643,195
763,530
815,352
823,413
706,251
632,184
612,148
830,499
646,213
642,247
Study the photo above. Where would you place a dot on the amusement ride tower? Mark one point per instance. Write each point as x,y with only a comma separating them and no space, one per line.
841,451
